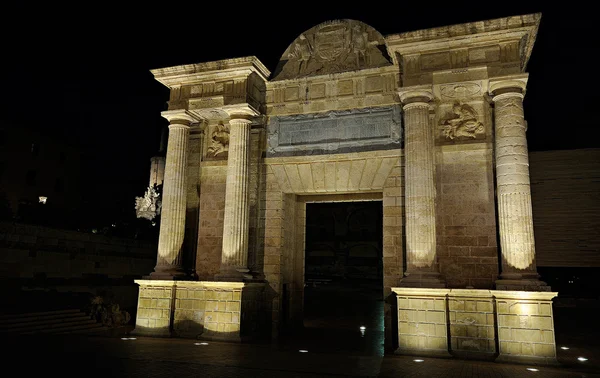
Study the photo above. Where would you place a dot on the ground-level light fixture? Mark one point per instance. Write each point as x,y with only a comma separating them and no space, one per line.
582,359
362,331
418,360
303,351
203,343
564,348
533,369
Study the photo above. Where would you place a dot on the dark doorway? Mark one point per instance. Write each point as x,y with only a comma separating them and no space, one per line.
343,274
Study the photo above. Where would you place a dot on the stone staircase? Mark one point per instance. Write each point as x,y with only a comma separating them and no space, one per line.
71,321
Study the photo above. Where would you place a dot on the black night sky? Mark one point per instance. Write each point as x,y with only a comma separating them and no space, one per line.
82,72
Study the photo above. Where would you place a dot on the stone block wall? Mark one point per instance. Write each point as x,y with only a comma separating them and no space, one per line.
269,248
192,197
393,219
476,321
212,212
254,196
472,322
200,309
466,223
190,310
422,323
155,305
525,327
222,307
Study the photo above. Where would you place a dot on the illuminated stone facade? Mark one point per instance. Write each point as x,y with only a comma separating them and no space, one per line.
429,122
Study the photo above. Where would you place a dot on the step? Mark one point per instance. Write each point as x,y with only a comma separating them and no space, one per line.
32,319
41,313
65,329
77,321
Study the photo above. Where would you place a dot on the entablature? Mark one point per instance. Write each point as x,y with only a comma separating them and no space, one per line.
502,45
225,83
340,91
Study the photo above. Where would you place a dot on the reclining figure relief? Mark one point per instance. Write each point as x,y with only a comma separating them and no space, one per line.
463,123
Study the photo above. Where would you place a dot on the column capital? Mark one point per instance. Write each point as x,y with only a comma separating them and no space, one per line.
240,120
179,116
508,86
243,110
422,94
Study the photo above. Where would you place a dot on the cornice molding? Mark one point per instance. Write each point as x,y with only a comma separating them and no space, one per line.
210,71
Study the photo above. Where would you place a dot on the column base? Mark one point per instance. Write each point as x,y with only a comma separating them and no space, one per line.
169,274
423,279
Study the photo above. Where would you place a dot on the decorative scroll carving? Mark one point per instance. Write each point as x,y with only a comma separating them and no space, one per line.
148,206
331,47
219,141
462,123
460,90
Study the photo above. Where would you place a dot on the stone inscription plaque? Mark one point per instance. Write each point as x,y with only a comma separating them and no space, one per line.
336,131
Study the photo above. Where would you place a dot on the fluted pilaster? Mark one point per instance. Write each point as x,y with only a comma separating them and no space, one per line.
172,226
513,192
421,258
234,258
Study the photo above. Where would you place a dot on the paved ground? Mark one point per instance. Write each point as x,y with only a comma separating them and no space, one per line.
150,357
334,343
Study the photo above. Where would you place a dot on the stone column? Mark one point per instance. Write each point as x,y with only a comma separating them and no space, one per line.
234,258
172,224
513,190
421,257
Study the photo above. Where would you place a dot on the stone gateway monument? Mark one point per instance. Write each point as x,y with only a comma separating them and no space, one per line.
430,123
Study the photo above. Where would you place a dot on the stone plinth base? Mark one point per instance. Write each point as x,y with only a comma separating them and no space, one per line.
525,326
470,323
228,311
422,322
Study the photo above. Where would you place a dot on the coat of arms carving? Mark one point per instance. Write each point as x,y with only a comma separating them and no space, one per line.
332,47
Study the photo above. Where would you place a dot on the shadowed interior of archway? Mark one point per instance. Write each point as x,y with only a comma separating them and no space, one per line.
343,279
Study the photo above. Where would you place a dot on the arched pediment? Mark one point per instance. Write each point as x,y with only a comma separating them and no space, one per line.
333,47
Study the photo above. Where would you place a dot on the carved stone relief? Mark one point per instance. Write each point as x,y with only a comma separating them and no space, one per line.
148,206
460,90
219,141
332,47
462,123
